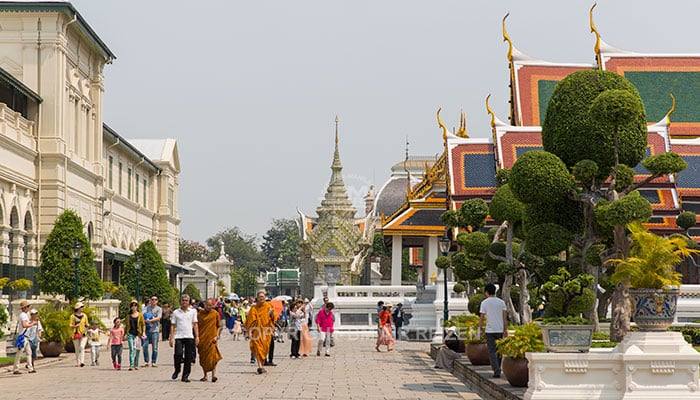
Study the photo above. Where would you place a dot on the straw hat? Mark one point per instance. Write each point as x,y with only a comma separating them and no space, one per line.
78,305
23,303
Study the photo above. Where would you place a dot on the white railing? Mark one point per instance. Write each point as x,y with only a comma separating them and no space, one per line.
16,127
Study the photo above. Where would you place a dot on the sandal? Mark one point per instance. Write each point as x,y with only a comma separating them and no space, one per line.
377,348
214,379
203,379
260,370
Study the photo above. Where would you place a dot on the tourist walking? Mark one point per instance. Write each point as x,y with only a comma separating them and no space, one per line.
324,324
135,330
165,321
398,319
209,321
309,311
306,345
385,337
230,313
495,312
155,313
94,340
116,335
24,323
79,323
237,328
296,317
260,325
34,333
448,352
184,336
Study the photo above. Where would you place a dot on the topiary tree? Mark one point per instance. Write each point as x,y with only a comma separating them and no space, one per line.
57,265
686,220
192,291
153,278
566,295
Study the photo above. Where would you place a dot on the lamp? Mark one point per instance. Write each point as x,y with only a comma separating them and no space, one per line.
444,243
77,250
206,285
137,267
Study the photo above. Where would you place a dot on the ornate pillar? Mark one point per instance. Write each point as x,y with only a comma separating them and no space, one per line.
396,252
4,245
429,256
18,247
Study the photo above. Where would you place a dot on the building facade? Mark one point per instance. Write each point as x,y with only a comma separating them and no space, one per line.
56,153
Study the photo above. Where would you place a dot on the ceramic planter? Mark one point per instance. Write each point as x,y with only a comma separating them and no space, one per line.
50,349
567,338
516,371
654,309
478,353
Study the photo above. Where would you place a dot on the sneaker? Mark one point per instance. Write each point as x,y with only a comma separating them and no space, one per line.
92,364
119,367
97,362
154,365
32,371
17,372
175,374
145,365
496,375
318,353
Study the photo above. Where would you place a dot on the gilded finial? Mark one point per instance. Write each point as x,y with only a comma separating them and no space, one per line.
336,128
673,108
598,58
490,112
506,38
441,125
462,125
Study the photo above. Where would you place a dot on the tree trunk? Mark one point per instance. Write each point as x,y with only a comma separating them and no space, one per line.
620,319
513,315
525,312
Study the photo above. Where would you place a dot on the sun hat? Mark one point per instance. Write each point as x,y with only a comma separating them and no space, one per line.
78,305
452,329
23,303
34,311
388,305
133,302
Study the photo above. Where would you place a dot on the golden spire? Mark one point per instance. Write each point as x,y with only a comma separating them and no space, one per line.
506,38
598,57
462,125
441,125
490,112
670,112
336,128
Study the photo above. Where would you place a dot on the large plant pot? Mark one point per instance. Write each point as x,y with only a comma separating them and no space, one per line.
567,338
478,353
516,371
50,349
654,309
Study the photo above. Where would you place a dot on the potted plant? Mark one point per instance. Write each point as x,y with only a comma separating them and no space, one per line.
566,298
474,345
650,272
109,289
20,285
55,322
527,338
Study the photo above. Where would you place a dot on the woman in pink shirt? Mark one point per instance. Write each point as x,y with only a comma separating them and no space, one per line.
116,334
324,322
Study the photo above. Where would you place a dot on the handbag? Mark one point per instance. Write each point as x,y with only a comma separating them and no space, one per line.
19,341
77,336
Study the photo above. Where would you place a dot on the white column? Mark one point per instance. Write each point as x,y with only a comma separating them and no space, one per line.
396,250
429,256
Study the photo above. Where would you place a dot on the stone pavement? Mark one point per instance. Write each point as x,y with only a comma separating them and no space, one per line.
354,371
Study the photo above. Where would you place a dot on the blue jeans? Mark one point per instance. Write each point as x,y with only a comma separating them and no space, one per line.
133,352
493,356
152,338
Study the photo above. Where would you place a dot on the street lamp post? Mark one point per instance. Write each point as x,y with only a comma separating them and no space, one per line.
137,267
445,248
77,249
206,285
180,277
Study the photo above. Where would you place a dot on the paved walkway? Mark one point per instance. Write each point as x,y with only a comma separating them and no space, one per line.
354,371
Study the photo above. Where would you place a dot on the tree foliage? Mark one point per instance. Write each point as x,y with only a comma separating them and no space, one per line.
471,216
240,248
57,270
152,276
189,250
281,244
686,220
243,281
548,239
540,177
192,291
505,206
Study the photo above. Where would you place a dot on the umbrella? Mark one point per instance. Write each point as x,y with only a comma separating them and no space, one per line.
233,296
283,298
277,305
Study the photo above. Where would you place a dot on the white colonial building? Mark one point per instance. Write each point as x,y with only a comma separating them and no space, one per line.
57,153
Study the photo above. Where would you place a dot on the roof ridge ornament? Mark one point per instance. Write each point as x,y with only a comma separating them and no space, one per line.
596,48
490,112
441,125
506,38
462,132
667,118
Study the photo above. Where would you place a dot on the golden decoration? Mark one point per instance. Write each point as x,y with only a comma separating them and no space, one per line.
441,125
670,112
490,112
598,57
462,132
506,38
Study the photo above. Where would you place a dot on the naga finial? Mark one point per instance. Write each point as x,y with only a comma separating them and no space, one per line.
673,108
598,58
462,132
441,125
490,112
506,38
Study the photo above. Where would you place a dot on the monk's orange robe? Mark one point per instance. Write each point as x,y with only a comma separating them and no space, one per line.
209,325
260,327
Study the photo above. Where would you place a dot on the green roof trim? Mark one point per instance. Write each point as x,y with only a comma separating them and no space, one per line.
19,86
66,8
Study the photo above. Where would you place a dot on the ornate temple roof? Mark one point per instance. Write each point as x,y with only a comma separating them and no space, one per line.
336,201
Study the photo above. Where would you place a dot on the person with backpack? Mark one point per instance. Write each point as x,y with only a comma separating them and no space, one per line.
22,342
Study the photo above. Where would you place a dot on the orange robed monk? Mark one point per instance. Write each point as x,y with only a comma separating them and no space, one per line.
260,325
209,328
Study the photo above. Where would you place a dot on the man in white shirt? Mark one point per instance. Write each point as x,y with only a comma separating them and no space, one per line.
184,335
495,311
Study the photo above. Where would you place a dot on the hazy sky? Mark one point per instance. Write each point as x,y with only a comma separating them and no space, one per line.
250,89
